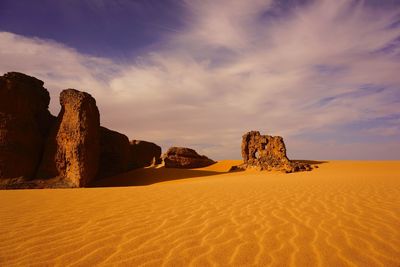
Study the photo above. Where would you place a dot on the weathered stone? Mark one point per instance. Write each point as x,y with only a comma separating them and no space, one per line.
24,124
235,168
144,153
181,157
266,152
115,155
72,149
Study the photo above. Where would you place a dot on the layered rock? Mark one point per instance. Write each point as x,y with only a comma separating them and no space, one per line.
24,123
182,157
266,152
144,153
72,149
115,153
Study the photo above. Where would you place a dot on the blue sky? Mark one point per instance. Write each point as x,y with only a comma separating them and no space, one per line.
323,74
103,28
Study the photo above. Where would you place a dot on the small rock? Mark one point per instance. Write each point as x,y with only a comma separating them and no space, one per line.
182,157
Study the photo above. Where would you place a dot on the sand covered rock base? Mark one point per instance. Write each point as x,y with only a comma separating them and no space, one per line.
343,213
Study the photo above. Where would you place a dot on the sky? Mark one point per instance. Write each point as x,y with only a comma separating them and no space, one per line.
323,74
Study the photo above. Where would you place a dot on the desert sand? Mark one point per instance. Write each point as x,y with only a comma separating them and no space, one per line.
344,213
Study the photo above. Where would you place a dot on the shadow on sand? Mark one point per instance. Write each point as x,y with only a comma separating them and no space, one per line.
311,162
151,175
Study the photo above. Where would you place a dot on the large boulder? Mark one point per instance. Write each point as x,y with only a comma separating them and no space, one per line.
115,154
38,150
72,150
267,152
144,153
182,157
24,123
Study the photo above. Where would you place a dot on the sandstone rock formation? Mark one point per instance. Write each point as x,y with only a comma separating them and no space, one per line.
144,153
24,123
38,150
181,157
266,152
72,149
115,154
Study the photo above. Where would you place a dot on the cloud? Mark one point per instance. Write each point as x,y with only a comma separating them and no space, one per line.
315,70
59,66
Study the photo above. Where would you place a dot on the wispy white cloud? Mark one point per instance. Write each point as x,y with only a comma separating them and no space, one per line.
316,68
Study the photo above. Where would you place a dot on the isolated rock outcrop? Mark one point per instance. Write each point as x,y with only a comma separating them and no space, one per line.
267,152
72,149
115,154
144,153
182,157
24,123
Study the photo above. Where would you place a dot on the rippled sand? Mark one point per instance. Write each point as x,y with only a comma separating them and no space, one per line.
344,213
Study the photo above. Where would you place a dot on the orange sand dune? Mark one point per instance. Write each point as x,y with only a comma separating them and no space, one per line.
345,213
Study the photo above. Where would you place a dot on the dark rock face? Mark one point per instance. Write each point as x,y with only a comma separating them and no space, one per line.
115,155
24,123
72,149
144,153
267,152
181,157
38,150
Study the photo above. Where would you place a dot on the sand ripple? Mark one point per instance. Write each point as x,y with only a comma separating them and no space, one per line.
341,214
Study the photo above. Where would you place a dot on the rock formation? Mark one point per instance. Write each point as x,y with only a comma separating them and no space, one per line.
72,149
38,150
181,157
266,152
24,123
115,154
144,153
